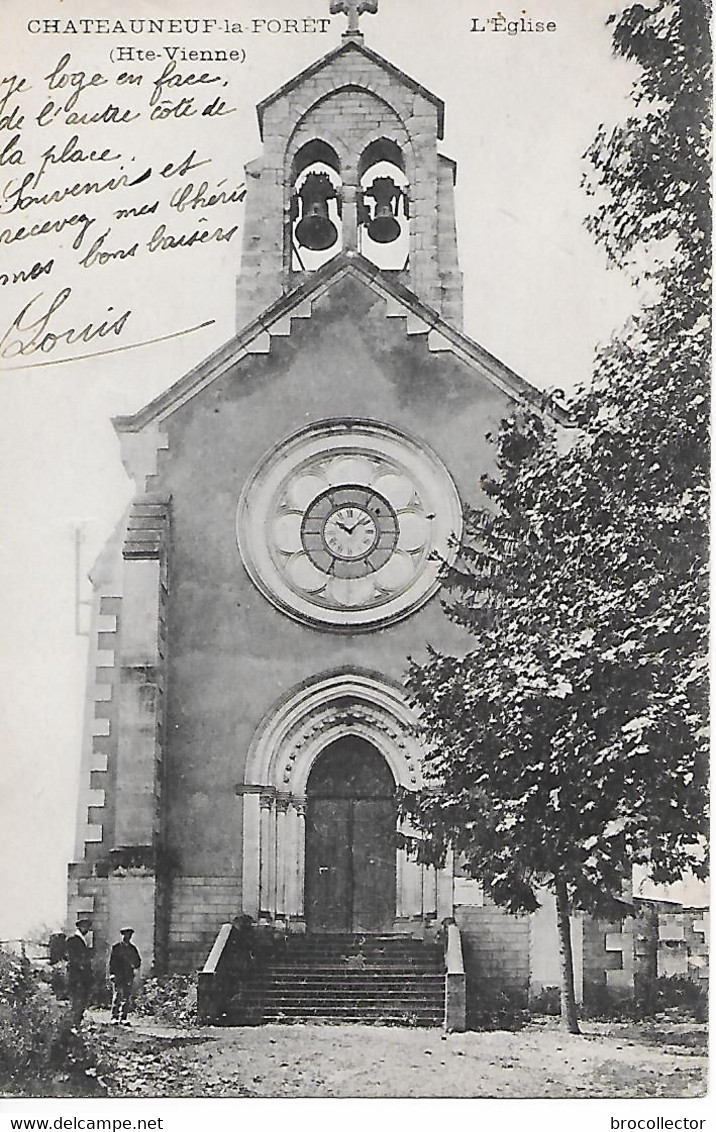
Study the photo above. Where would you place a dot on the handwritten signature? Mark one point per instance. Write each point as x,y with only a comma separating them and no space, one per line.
34,331
26,338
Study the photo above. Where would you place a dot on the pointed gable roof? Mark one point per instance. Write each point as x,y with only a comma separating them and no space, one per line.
276,320
343,49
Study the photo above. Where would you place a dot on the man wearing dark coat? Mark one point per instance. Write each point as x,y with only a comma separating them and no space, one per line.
79,970
124,962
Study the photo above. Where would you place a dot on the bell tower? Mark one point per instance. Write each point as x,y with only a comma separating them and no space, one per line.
350,166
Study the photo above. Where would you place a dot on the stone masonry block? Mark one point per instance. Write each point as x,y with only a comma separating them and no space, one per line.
698,966
700,926
619,948
672,959
672,927
109,604
438,343
613,941
619,978
415,325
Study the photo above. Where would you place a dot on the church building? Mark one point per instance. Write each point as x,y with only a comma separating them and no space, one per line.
246,725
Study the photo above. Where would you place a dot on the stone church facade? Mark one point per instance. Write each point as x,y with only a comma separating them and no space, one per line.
246,727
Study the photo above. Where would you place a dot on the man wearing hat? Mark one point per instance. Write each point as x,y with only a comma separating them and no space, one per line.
124,961
79,969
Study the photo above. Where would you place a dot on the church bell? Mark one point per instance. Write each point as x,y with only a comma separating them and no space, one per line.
384,228
315,230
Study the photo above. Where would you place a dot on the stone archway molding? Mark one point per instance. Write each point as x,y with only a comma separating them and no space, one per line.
290,738
286,745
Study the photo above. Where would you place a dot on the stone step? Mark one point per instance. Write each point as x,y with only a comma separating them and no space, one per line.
389,939
348,995
362,978
349,1020
416,949
336,1009
356,963
338,975
416,1017
349,978
318,978
374,954
354,944
432,995
351,946
301,970
371,1009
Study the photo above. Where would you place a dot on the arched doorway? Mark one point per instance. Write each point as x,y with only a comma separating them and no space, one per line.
289,743
350,840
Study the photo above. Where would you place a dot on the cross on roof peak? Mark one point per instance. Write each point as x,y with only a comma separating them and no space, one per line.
353,9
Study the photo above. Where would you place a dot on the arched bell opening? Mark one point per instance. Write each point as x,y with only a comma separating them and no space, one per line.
383,206
350,873
316,206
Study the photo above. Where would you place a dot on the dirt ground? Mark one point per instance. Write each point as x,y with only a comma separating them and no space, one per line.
656,1059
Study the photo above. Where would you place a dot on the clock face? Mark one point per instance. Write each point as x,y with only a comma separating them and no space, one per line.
345,523
349,532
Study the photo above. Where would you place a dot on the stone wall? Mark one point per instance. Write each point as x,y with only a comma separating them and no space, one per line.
671,941
609,957
199,906
496,950
660,940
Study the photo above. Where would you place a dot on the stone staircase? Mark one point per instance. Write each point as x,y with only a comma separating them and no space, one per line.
346,978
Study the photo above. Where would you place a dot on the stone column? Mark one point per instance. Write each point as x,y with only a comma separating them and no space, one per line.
266,859
430,890
282,854
300,857
289,859
411,899
399,866
350,218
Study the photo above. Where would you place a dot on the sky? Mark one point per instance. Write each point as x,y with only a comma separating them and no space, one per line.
520,112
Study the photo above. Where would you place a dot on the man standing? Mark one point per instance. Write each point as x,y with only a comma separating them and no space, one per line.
79,969
124,960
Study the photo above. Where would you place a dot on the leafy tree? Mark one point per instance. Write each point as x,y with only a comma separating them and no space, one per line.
567,742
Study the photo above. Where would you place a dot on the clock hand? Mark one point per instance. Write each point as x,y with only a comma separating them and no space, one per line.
350,530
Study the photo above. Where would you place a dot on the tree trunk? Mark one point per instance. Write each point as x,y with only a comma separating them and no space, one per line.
568,1004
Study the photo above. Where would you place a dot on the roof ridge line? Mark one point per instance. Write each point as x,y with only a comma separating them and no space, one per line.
236,347
375,57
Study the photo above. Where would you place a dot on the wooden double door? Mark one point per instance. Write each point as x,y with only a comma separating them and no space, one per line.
350,840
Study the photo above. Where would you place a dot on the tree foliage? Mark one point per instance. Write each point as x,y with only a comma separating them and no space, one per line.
567,741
